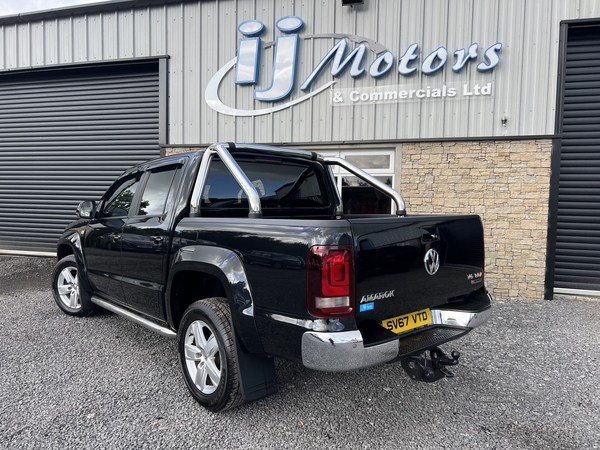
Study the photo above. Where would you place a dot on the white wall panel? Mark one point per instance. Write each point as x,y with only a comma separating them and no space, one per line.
386,121
507,93
23,45
282,121
226,41
65,41
324,125
303,113
245,125
432,111
126,34
80,41
2,52
37,44
191,72
10,46
110,35
177,97
485,31
343,20
362,126
201,36
210,64
158,33
534,98
410,30
589,8
460,36
263,125
141,35
94,37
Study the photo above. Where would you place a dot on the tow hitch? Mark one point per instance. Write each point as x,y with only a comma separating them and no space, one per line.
421,368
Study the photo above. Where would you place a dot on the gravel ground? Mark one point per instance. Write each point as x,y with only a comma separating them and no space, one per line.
528,379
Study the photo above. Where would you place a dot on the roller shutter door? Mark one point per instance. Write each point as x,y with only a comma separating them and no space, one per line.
577,257
65,135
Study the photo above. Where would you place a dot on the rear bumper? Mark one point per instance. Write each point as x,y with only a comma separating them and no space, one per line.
345,351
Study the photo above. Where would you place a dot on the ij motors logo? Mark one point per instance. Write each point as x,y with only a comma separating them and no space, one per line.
280,94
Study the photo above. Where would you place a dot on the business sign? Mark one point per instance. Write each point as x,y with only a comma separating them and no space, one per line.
408,92
343,61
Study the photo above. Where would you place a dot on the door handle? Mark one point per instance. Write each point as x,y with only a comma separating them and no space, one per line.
115,237
157,239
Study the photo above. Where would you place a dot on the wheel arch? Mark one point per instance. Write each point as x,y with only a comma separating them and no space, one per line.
69,244
201,271
63,249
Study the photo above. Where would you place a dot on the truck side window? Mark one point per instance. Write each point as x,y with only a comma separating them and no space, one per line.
156,191
221,190
120,197
304,191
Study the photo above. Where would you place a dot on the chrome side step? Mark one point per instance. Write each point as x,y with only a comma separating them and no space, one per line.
163,331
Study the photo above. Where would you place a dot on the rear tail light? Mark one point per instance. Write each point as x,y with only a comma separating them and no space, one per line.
330,281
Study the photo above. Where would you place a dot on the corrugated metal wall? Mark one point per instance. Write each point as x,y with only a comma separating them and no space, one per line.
64,137
201,36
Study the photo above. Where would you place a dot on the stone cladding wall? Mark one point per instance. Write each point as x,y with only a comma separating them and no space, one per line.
507,183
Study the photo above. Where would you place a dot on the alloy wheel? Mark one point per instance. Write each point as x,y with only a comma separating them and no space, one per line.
203,357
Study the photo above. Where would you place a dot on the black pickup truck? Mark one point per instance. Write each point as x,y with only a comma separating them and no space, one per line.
244,253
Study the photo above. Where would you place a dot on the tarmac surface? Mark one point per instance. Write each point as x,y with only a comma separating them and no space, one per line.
530,378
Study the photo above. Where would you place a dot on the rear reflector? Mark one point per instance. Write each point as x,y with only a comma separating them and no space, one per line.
330,280
331,302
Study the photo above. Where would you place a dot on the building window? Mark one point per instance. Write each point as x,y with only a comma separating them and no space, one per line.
358,197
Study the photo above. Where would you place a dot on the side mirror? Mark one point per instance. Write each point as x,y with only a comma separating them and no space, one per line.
86,209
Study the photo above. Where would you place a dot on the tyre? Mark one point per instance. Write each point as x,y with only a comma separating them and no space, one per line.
66,289
207,355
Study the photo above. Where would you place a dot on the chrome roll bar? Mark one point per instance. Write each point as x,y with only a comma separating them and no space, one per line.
221,149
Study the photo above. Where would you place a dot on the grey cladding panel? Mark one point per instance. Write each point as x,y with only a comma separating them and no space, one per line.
65,135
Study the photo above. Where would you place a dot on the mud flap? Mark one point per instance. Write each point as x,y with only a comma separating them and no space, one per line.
256,373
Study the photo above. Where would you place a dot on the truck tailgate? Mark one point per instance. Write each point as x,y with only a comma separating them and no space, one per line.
397,270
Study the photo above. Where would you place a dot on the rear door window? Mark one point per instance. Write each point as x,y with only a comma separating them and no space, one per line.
278,185
155,193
